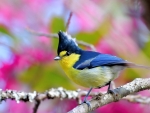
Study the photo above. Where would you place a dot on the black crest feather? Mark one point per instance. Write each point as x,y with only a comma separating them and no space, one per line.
67,43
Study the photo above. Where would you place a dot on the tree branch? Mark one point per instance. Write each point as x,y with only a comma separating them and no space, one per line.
99,100
129,88
31,97
37,104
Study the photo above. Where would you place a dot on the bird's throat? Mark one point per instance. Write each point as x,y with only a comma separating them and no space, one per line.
67,62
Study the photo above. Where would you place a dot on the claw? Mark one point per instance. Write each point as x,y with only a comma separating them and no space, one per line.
87,102
85,99
118,92
114,93
111,91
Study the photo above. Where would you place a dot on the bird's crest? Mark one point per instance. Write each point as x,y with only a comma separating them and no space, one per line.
66,43
66,35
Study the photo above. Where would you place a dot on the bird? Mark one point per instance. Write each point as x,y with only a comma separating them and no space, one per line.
89,69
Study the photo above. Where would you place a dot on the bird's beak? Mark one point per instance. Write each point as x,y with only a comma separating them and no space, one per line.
57,58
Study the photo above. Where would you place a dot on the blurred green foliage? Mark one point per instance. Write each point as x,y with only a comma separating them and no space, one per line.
102,30
56,24
4,29
146,48
41,77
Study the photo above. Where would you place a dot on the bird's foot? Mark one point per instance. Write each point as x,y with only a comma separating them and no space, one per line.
87,103
118,92
115,94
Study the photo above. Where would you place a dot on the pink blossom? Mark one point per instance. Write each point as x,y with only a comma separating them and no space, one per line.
121,107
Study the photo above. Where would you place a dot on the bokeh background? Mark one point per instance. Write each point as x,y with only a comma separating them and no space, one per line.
26,60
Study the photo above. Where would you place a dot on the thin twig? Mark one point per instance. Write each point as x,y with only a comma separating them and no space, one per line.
37,104
68,21
54,35
86,44
138,99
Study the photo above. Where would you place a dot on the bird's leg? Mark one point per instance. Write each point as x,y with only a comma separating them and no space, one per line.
113,92
109,86
85,98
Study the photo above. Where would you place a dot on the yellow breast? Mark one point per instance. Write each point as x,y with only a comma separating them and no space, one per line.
67,63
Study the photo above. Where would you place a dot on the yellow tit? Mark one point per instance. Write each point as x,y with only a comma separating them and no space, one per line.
88,68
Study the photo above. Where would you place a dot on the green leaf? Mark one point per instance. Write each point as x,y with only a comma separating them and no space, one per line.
146,49
56,24
131,74
88,37
4,30
94,36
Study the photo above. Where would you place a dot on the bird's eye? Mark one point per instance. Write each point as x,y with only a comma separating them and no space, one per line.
68,53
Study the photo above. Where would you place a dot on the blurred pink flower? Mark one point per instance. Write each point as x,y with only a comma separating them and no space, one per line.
87,21
119,39
10,13
20,62
121,107
64,106
20,107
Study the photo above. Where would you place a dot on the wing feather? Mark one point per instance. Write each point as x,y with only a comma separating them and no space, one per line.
101,60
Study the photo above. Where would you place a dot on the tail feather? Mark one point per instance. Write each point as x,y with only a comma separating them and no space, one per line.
132,65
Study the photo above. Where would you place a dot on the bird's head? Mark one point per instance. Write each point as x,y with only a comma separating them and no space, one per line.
66,46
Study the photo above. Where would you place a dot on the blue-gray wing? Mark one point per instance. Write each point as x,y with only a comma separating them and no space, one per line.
101,60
